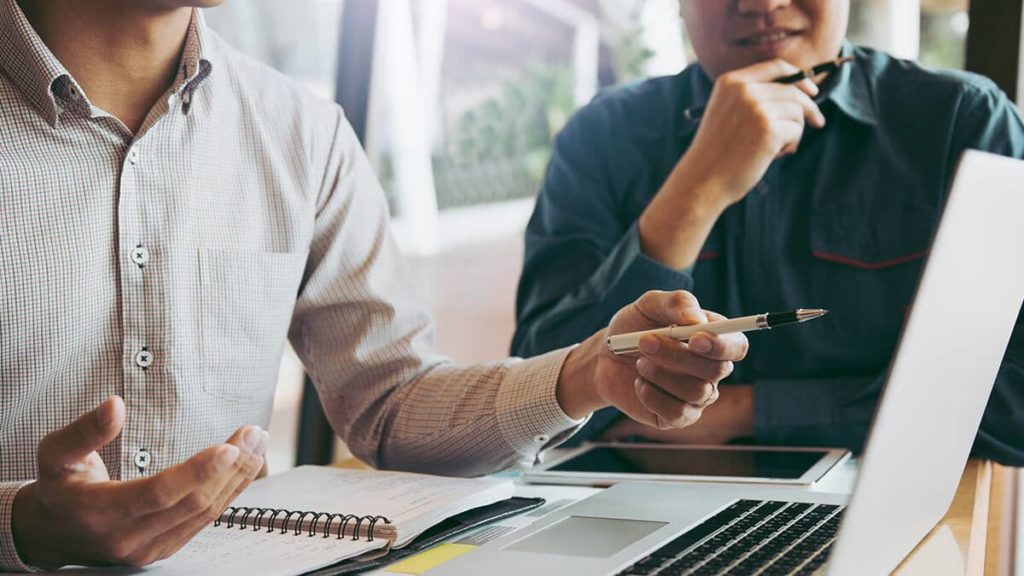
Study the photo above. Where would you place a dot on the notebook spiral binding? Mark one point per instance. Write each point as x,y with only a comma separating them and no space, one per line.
318,522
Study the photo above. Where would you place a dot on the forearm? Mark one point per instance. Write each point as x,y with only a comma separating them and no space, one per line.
677,222
469,420
575,390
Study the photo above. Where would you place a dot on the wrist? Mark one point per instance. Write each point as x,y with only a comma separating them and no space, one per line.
576,392
28,517
675,225
739,399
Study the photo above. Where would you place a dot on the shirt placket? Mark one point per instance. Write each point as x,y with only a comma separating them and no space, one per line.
141,353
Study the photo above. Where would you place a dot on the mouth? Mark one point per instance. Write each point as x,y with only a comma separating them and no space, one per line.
767,38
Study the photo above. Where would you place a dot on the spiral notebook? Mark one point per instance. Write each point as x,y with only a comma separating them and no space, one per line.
311,517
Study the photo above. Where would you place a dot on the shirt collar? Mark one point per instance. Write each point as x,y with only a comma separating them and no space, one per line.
33,69
48,85
195,65
850,91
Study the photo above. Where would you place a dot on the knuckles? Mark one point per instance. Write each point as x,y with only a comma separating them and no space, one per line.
198,503
156,500
724,370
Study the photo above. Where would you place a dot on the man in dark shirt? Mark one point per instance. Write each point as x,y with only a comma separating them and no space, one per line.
759,196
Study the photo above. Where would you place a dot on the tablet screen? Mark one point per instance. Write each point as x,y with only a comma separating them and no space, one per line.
693,462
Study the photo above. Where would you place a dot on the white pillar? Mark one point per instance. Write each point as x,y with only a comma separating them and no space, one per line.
898,27
432,29
663,35
410,147
586,44
586,49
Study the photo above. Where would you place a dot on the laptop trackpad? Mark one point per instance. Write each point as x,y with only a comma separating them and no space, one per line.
586,536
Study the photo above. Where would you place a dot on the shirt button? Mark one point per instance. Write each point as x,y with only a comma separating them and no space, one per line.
762,187
541,438
142,459
140,256
133,156
144,358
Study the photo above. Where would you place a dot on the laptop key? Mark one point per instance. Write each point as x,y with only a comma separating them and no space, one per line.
703,530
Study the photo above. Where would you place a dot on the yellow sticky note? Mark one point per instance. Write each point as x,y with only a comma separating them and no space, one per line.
420,563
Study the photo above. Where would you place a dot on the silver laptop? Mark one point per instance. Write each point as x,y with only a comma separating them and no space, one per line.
964,311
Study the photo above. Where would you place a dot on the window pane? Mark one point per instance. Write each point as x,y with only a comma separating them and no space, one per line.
298,38
938,26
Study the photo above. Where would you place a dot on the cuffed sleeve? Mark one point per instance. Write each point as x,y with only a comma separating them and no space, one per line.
9,559
529,416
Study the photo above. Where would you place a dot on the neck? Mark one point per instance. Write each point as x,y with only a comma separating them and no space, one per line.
123,53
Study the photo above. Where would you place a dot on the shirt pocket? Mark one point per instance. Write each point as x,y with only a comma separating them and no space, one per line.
881,241
247,304
866,269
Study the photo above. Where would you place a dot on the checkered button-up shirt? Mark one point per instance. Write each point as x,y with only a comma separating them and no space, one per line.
169,266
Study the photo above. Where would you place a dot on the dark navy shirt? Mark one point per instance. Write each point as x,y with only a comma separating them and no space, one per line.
843,224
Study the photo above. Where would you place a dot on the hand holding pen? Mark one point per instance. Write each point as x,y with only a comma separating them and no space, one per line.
630,342
753,116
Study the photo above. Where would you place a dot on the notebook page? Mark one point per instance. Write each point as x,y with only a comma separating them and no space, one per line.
412,502
231,550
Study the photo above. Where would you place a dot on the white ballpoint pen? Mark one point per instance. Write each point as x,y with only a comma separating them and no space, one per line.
629,342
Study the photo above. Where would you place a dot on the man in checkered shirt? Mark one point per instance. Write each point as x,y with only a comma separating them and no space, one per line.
170,213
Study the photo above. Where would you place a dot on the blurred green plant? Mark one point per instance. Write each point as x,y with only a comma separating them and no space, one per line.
629,53
499,149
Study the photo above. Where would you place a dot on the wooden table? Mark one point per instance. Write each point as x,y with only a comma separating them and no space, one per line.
976,536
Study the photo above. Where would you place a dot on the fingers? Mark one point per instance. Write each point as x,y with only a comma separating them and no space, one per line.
681,385
766,71
801,106
725,347
201,512
670,308
669,411
689,389
165,490
74,442
711,365
208,472
205,484
812,113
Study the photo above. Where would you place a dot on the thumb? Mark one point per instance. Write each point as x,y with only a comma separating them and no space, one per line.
74,442
668,308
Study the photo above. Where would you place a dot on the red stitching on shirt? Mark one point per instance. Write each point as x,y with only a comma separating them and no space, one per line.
707,256
869,265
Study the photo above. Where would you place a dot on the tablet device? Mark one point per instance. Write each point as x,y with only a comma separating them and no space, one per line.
603,464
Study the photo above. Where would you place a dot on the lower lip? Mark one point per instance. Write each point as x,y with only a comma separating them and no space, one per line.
770,48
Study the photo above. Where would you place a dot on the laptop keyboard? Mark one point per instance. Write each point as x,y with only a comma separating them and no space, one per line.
750,537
